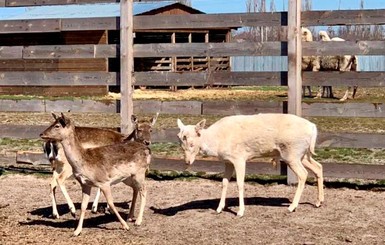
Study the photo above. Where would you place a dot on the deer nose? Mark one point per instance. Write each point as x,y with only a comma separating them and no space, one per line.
147,142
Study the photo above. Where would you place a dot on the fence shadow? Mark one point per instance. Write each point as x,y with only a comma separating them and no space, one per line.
230,202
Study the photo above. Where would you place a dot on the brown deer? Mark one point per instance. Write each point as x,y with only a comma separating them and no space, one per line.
101,167
90,138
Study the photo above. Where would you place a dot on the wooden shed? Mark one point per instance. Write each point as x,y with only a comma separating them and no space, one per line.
44,41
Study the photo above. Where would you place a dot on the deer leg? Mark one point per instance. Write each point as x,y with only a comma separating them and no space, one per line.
94,208
240,168
297,167
106,189
60,181
53,184
229,170
317,169
86,191
346,95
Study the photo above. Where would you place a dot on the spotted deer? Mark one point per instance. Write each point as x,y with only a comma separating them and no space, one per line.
102,166
90,138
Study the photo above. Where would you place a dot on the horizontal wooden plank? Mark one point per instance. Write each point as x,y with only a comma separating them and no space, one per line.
200,21
224,78
343,17
344,109
70,51
209,21
22,105
18,3
7,52
57,78
241,107
363,79
333,140
351,140
330,170
54,65
78,24
22,26
344,48
211,49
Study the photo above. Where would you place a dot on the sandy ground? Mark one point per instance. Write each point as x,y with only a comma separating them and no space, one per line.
183,212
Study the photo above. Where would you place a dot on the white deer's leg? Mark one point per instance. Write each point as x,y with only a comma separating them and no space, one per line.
86,191
131,215
229,170
96,201
60,181
346,95
240,168
317,169
301,173
53,184
143,195
106,189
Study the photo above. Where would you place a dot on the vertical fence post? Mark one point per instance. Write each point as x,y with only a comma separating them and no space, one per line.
294,66
126,65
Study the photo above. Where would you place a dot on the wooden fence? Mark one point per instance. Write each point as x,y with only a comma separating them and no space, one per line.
280,78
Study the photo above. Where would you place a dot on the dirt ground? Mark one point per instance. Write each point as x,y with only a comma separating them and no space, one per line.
183,212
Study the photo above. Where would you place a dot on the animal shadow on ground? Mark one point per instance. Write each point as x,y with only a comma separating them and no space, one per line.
230,202
95,221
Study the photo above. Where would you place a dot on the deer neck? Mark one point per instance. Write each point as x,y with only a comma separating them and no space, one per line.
209,146
74,152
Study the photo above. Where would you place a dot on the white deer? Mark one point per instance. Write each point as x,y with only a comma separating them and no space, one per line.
237,139
102,166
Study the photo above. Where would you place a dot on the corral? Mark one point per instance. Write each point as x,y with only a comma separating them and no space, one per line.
186,212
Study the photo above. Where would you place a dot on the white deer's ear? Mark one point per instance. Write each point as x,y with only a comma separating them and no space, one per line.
180,124
200,126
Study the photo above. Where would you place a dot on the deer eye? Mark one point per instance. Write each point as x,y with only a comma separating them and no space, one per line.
57,126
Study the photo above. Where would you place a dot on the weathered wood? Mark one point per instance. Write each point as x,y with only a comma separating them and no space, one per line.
7,52
210,49
81,106
362,79
69,51
343,17
78,24
294,67
75,65
351,140
330,140
126,65
22,105
57,78
376,110
212,21
344,48
240,107
21,26
331,170
14,3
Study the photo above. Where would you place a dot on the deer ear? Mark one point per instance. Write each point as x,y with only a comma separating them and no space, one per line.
54,116
64,121
200,126
180,124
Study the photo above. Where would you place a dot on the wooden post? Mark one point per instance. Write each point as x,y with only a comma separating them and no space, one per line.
294,66
126,65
